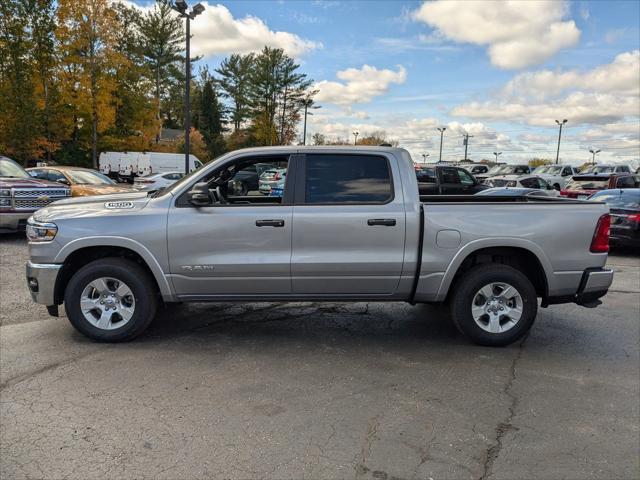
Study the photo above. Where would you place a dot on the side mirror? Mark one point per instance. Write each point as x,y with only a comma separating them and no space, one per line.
199,195
64,181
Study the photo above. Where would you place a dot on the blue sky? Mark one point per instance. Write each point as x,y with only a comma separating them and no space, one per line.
500,71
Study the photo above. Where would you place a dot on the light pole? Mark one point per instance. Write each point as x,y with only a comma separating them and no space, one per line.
496,154
441,130
559,136
593,157
181,7
308,103
424,157
355,137
466,144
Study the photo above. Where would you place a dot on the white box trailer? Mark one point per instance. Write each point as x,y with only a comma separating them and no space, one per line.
125,166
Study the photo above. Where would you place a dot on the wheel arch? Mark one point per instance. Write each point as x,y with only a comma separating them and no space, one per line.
521,254
78,253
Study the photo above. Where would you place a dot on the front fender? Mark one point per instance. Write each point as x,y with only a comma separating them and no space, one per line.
112,241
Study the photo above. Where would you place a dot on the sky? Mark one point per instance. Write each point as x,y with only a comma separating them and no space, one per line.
501,71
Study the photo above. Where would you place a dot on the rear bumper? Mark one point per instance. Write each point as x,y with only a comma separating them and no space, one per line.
14,222
594,284
41,281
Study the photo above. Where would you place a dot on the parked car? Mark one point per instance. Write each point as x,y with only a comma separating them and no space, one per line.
521,181
157,181
247,180
271,179
21,195
604,168
353,229
504,169
624,207
518,192
83,181
583,185
557,175
447,180
475,169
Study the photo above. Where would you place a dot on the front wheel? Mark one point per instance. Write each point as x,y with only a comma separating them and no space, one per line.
111,300
493,304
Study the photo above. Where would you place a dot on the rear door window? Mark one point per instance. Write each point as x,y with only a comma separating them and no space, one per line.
347,179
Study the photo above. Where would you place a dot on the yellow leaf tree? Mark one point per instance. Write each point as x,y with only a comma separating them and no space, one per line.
86,34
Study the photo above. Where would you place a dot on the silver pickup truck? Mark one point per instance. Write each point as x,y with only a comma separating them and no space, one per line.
349,225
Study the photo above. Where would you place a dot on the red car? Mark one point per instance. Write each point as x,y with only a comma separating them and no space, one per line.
21,195
582,186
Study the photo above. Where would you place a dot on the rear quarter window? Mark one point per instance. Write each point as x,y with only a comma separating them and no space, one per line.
347,179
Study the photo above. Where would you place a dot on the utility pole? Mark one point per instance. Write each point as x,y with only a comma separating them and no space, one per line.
441,130
496,154
181,7
465,142
559,136
593,153
308,104
355,137
424,157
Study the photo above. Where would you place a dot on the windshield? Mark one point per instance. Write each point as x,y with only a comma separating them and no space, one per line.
589,184
599,169
495,169
622,199
87,177
550,169
10,169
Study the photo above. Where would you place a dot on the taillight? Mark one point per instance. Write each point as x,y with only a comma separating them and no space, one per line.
564,193
633,218
277,176
600,241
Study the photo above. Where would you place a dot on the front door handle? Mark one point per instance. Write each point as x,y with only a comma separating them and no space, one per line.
387,222
270,223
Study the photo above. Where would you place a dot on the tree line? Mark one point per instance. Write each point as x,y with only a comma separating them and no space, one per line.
78,77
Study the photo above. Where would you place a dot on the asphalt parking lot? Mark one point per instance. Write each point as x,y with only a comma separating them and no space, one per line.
307,390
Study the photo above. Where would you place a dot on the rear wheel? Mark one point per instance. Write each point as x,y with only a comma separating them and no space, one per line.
111,300
493,304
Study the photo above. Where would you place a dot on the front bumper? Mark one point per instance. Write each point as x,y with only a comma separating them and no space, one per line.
13,221
41,281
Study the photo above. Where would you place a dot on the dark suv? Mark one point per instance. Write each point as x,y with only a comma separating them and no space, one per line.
446,180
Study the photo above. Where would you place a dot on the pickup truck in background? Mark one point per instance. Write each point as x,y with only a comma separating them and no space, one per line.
21,195
447,180
350,226
586,184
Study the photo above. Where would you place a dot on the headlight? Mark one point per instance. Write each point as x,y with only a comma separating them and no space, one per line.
5,202
40,231
5,192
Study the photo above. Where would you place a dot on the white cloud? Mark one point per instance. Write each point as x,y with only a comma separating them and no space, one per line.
518,33
620,76
217,32
359,85
608,93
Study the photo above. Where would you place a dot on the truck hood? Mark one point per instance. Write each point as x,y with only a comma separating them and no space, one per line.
98,205
10,182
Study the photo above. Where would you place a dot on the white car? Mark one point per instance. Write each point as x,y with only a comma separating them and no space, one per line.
557,175
157,181
521,181
602,168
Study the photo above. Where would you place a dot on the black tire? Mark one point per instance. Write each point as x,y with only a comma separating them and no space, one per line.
465,290
139,281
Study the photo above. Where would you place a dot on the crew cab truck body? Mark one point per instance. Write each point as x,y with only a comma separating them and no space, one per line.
350,226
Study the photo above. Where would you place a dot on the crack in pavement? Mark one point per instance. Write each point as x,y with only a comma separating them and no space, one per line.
505,426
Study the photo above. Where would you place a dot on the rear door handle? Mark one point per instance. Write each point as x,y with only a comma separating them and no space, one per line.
270,223
387,222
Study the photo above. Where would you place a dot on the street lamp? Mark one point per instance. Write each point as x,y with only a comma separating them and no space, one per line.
424,157
441,130
308,104
593,153
355,137
559,136
181,7
496,154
